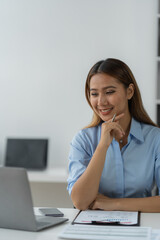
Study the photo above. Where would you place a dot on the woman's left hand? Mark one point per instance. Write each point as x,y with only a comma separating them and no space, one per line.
104,203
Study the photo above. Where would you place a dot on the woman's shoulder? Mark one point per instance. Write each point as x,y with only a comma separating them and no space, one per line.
91,130
151,130
88,134
150,127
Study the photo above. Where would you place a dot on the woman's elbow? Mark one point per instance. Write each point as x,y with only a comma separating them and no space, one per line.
79,203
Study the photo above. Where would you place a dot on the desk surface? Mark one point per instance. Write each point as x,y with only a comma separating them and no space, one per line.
147,220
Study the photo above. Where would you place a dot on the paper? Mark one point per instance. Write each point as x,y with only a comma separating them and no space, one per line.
155,234
123,217
93,232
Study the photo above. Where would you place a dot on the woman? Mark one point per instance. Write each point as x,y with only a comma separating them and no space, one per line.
115,161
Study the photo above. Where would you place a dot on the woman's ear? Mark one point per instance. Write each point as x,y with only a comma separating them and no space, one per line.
130,91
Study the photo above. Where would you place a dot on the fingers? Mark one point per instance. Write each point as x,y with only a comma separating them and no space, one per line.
115,117
114,128
119,117
111,129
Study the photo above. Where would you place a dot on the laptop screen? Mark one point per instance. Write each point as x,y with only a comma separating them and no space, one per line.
26,153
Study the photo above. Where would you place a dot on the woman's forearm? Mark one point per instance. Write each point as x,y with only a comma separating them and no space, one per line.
86,188
147,204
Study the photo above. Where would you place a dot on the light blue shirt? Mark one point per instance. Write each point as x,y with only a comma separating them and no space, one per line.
129,172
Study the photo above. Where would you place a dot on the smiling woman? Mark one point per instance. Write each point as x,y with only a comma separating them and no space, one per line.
121,73
113,165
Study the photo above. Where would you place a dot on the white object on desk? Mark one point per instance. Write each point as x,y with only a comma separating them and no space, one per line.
155,235
123,217
92,232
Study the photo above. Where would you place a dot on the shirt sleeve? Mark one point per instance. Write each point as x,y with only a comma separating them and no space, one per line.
157,166
79,157
157,173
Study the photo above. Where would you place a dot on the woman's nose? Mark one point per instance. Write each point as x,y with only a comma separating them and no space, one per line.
102,100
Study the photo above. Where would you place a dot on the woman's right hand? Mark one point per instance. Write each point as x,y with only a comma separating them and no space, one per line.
111,130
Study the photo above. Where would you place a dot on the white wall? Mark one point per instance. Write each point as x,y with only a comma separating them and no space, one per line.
46,50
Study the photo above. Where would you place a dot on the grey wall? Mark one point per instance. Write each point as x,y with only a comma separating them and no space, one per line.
46,50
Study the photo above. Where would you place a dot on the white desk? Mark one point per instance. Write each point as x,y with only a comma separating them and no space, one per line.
147,220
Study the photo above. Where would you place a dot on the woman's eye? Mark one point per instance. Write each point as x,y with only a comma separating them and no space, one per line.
94,94
110,92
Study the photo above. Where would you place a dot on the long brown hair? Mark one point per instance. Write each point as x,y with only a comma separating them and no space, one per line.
120,71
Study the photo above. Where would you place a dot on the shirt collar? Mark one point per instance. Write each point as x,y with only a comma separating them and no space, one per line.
136,130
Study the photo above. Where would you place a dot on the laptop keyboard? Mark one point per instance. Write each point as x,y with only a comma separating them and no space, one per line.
41,222
81,231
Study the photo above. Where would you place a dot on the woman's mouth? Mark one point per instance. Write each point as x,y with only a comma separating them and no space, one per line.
105,111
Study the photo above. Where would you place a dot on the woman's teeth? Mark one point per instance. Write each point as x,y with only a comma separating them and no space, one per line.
106,110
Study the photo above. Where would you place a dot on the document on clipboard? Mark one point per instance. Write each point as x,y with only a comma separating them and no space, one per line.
99,217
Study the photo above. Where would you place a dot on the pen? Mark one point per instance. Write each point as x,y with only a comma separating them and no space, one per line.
105,223
114,116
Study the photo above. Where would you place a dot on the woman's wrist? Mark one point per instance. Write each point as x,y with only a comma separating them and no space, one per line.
103,145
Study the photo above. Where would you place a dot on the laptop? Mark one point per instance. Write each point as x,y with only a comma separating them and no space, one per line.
26,153
16,208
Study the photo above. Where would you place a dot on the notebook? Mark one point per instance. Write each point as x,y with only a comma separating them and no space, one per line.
16,208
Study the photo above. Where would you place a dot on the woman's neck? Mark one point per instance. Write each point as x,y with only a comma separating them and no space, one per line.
125,123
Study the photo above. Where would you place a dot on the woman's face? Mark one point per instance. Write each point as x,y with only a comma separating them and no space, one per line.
108,96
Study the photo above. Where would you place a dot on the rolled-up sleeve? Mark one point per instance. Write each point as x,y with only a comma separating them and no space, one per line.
157,164
157,172
79,157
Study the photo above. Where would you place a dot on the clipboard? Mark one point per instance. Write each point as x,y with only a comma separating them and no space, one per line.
101,217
